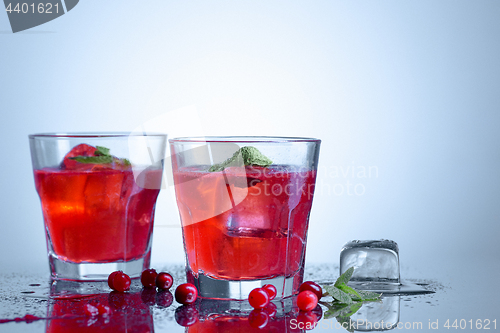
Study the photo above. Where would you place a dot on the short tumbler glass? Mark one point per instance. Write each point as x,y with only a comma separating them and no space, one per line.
98,194
244,222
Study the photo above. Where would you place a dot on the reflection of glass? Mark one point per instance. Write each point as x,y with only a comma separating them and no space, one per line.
377,316
244,226
98,194
129,314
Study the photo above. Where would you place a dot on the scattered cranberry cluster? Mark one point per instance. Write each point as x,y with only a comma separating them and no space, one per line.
260,298
309,295
185,293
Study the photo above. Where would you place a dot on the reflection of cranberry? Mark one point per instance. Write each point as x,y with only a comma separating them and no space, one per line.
164,281
307,320
104,310
186,293
118,300
148,278
318,311
271,309
312,286
164,298
258,318
148,296
271,291
186,315
90,310
258,298
307,300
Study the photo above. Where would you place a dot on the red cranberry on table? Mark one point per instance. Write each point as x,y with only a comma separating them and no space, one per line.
119,281
307,300
111,277
258,298
186,293
312,286
271,291
164,281
148,278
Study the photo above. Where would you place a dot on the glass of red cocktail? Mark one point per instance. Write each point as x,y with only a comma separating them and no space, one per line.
244,204
98,194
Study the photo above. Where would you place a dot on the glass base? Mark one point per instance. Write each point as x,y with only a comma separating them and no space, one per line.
65,270
211,288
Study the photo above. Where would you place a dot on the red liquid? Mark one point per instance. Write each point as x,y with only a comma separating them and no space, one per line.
98,215
236,232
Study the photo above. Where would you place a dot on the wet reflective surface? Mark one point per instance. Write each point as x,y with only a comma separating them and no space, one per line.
61,306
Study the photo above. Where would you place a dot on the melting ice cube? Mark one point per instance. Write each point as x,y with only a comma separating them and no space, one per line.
373,260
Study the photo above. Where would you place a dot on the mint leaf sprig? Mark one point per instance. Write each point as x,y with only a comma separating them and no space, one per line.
248,155
101,156
346,300
342,293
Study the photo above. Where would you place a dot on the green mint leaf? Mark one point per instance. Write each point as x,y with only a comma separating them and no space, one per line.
338,294
101,151
248,155
352,292
341,309
344,278
93,159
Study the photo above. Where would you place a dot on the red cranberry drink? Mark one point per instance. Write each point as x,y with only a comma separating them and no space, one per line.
246,224
252,240
98,213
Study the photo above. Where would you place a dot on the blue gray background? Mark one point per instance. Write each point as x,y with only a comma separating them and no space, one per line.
408,88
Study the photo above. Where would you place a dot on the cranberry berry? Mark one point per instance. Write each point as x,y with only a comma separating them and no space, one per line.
312,286
307,300
148,278
186,293
110,279
164,281
271,291
258,298
120,281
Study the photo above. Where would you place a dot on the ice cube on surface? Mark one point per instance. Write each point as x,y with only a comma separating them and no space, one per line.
373,260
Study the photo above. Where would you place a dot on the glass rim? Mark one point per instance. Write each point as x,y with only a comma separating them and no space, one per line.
242,139
88,135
